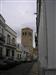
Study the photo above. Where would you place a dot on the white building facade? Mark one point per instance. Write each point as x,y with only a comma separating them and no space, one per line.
47,35
22,52
8,46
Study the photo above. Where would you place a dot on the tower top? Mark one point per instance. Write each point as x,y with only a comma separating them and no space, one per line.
27,28
27,37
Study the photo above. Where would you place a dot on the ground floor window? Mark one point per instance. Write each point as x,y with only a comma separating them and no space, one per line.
7,52
12,52
19,56
0,51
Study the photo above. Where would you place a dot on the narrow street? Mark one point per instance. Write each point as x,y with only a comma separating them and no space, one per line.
22,69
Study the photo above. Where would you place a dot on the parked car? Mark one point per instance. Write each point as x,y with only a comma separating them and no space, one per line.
10,61
2,63
17,61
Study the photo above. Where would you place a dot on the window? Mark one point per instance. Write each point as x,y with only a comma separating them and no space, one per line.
0,29
24,52
7,52
25,33
22,33
8,39
0,51
13,40
19,56
18,46
12,52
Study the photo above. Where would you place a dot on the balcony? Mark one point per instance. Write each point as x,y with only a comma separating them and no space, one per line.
14,44
11,45
2,37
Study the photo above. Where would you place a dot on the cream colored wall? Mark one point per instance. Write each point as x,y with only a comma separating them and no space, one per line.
27,40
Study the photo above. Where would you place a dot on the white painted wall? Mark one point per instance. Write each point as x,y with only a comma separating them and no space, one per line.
51,34
42,38
55,33
7,30
24,52
12,34
50,7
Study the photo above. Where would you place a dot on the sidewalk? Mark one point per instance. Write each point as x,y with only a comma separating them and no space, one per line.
34,70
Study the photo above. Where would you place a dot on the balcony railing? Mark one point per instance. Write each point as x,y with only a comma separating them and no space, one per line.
2,37
14,44
11,45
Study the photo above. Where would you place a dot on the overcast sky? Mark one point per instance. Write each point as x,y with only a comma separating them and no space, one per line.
19,14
